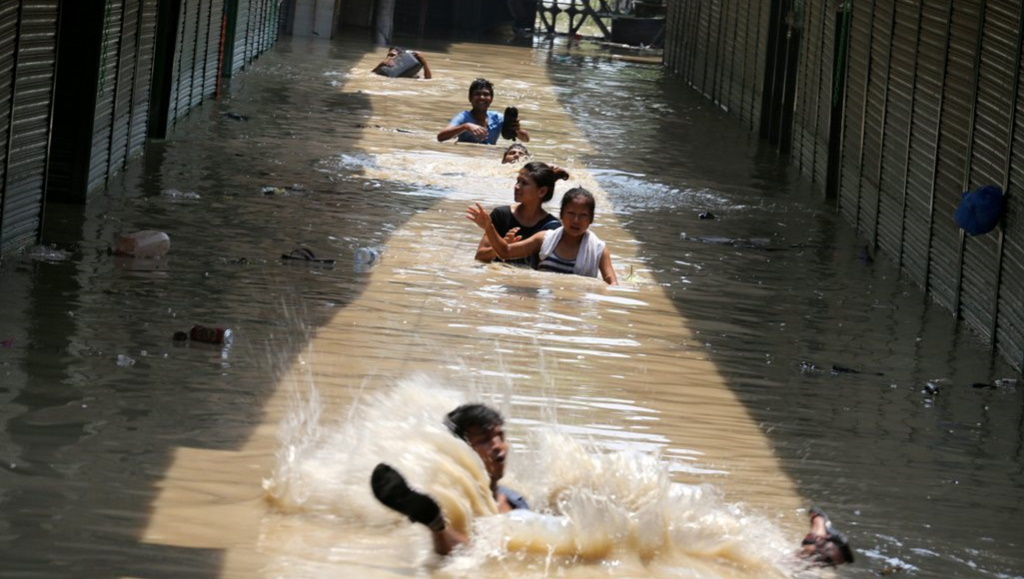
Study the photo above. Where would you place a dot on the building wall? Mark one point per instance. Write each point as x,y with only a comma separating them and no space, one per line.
919,101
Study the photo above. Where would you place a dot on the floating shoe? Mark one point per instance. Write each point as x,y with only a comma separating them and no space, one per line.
833,548
393,492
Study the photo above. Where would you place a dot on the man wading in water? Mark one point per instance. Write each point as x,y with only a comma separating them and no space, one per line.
482,428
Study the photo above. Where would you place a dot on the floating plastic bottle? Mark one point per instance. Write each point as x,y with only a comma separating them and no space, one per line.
366,258
143,244
210,335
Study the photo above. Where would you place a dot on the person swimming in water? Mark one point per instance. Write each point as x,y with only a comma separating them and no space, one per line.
479,125
535,186
571,248
515,153
482,428
401,63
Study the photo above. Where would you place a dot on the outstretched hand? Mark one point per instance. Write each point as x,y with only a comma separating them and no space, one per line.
478,215
511,236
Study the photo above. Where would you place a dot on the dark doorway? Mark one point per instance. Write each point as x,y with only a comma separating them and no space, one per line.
835,130
785,25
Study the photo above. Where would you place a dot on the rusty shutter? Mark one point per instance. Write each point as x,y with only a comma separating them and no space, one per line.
125,86
954,132
1010,329
989,141
28,130
143,77
929,77
892,171
854,110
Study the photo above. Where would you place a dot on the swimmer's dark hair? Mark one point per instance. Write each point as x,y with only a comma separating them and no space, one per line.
545,175
578,193
517,147
467,416
479,84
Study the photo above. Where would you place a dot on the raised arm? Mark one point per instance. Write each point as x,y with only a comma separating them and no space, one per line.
501,247
452,131
423,60
607,271
484,251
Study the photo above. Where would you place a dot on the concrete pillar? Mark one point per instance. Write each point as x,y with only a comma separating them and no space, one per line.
314,18
385,22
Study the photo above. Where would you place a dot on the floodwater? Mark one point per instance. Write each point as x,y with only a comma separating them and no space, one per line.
680,424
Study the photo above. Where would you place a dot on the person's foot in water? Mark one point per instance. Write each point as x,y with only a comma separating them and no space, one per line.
391,489
824,545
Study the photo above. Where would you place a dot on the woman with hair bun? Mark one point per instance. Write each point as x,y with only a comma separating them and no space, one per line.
571,248
535,185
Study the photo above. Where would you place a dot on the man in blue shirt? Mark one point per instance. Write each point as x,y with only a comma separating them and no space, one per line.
479,125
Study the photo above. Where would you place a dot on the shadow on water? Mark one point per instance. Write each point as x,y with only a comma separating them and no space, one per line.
828,347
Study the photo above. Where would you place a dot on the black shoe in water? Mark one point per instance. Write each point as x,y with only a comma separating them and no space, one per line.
391,489
511,116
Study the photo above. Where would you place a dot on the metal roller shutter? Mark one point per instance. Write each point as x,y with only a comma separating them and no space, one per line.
8,48
756,54
99,158
186,51
700,49
898,110
732,77
213,40
143,77
241,34
716,52
874,118
954,131
200,49
993,115
923,142
808,64
740,93
823,114
1010,330
856,101
125,87
31,111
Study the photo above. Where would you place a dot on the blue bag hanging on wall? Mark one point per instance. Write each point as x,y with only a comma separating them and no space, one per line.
980,210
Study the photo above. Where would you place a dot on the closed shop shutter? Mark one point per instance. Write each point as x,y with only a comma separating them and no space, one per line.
8,48
806,88
213,46
732,76
928,78
856,101
874,118
823,112
756,62
740,92
186,53
99,158
125,86
241,33
700,49
28,131
954,131
898,109
718,49
1010,330
143,77
201,48
990,139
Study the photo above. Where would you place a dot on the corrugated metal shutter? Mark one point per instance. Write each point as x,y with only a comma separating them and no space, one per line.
202,36
125,87
700,49
988,153
739,91
30,124
944,272
803,115
732,76
898,109
8,46
874,120
757,61
99,158
1010,330
923,142
143,77
673,34
213,47
241,34
823,113
186,51
854,110
714,50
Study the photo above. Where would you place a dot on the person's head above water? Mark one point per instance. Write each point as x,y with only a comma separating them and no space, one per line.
479,85
542,176
482,427
514,153
577,210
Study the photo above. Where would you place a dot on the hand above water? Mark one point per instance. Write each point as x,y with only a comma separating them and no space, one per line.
478,215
